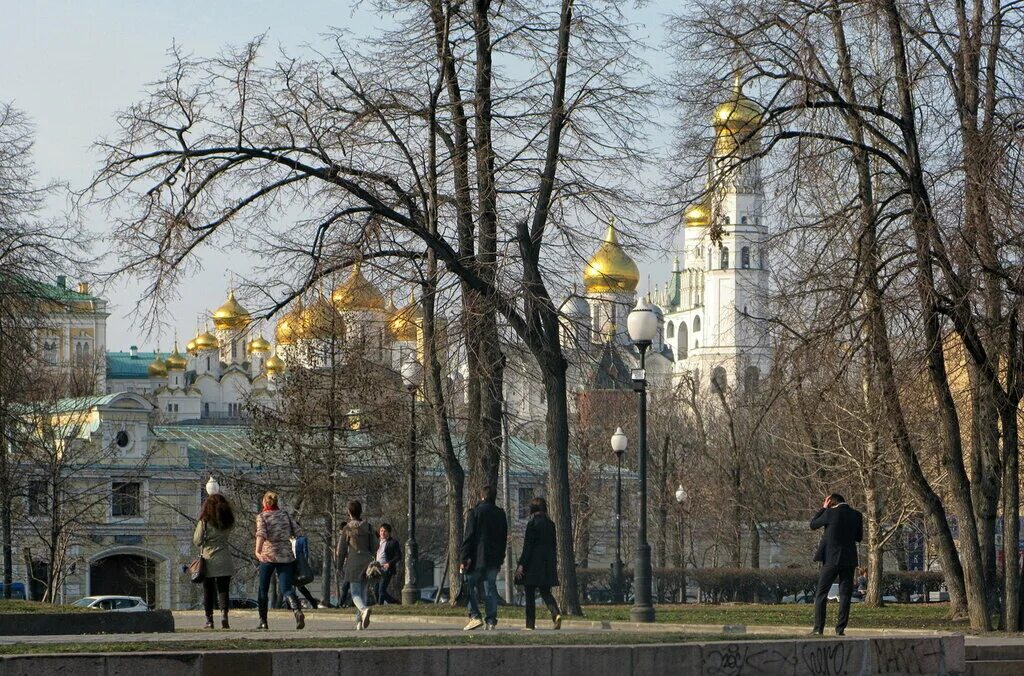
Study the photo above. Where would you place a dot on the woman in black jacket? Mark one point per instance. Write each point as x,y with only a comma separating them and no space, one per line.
538,564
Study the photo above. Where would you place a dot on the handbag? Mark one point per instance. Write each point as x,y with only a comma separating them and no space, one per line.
374,571
197,570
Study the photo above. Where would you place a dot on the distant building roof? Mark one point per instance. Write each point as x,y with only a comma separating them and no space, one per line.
58,292
124,366
210,446
83,403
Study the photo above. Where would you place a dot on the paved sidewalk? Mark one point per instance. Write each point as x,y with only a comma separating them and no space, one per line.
327,625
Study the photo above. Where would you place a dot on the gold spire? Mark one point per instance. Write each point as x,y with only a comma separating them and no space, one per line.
357,293
176,361
157,368
738,114
406,323
231,315
610,269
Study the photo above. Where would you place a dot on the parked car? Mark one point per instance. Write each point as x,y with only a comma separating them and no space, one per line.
17,590
121,604
427,594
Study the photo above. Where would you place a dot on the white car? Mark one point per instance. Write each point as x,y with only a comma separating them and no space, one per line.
121,604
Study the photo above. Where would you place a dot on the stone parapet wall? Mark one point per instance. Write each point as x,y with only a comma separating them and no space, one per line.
941,655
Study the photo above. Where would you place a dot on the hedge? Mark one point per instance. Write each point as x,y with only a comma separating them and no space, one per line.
764,585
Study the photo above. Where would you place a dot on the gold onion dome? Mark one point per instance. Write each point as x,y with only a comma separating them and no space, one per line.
610,269
190,346
737,114
206,341
231,315
176,361
287,330
157,368
274,365
258,344
405,323
319,320
357,293
698,216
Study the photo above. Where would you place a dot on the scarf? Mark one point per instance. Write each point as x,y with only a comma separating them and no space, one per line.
272,508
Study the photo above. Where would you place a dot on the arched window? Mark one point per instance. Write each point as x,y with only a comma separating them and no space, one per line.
745,257
743,220
684,342
207,363
725,258
696,324
670,330
751,379
719,381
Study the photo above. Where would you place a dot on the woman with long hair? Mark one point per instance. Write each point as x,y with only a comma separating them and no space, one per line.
538,564
274,531
356,545
216,519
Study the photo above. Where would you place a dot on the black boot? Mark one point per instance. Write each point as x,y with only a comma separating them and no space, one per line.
209,622
263,625
300,619
222,601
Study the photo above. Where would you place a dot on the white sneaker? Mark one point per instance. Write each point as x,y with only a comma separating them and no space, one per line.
475,623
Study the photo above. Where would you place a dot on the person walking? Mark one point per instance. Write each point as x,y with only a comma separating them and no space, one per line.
356,545
216,519
837,552
389,555
274,531
482,553
538,564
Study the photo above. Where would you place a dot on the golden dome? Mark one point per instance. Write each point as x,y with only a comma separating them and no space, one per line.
231,315
190,346
738,114
357,293
289,325
698,216
274,365
157,368
176,361
319,321
610,269
258,344
206,341
406,323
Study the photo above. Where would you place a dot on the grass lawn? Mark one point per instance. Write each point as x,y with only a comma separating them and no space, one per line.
13,606
894,616
478,639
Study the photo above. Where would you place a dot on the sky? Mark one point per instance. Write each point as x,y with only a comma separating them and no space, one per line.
70,65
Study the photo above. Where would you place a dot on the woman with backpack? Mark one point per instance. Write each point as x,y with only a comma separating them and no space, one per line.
356,545
274,532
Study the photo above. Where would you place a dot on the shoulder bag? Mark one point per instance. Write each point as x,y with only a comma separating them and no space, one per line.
197,569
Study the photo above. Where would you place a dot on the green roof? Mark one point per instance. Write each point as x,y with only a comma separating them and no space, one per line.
122,365
56,292
210,446
83,403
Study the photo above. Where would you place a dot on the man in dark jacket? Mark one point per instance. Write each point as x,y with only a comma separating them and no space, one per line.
389,554
837,552
482,553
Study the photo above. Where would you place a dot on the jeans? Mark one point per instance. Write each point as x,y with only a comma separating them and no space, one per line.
358,597
531,604
490,578
285,575
382,588
828,574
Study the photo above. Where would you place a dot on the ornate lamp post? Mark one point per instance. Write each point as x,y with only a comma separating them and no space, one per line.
681,500
619,447
642,325
412,374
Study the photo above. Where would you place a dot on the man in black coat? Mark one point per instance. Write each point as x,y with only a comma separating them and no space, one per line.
389,555
482,553
837,552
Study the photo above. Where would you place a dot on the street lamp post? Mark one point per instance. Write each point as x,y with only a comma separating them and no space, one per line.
412,374
619,447
642,325
681,499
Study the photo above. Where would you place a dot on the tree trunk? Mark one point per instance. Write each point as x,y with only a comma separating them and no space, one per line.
557,436
1011,521
873,507
7,505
